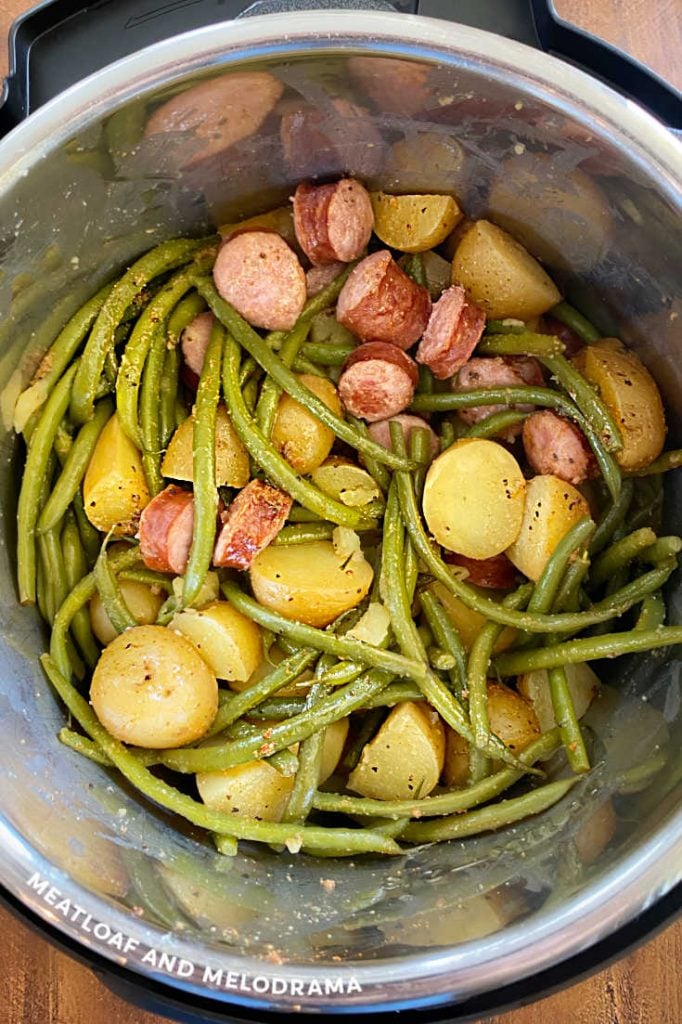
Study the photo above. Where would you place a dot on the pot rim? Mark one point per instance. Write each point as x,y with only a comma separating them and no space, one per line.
642,876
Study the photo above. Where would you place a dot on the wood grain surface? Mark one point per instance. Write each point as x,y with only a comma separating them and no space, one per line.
39,985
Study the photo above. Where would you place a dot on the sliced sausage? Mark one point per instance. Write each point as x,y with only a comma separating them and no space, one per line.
317,278
336,137
194,342
251,522
496,372
452,333
379,302
262,278
212,116
556,447
378,380
395,86
381,431
166,530
333,222
497,573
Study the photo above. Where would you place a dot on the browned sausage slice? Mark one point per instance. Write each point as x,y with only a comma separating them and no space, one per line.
497,573
333,222
381,431
332,139
262,278
496,372
212,116
378,380
317,278
166,530
194,341
395,86
556,447
379,302
452,333
252,521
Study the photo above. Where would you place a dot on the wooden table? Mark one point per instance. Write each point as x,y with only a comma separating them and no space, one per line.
39,985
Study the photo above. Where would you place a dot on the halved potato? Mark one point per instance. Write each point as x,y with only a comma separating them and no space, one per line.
142,601
373,627
552,508
227,641
474,498
280,220
114,488
426,160
348,483
208,592
500,275
310,582
596,833
456,763
631,395
252,790
231,457
332,747
405,758
414,223
300,437
468,622
511,717
462,921
583,686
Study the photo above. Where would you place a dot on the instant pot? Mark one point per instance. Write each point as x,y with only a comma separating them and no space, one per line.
592,183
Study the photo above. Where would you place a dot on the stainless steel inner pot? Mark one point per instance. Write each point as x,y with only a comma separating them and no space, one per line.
592,184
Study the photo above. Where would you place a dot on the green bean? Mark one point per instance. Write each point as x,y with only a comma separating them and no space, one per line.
447,637
284,761
28,509
508,326
269,459
52,557
300,801
285,707
565,716
249,340
379,473
426,384
310,838
661,549
74,468
283,674
420,452
270,393
413,265
42,595
258,743
150,578
498,423
652,613
117,610
75,566
327,297
573,652
298,514
663,464
327,354
83,746
303,365
57,358
187,309
227,846
568,593
620,554
248,368
587,400
613,518
203,469
486,819
447,434
90,537
454,802
304,533
164,257
570,316
151,397
523,343
547,586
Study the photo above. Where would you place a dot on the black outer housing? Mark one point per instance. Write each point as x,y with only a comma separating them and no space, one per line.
60,42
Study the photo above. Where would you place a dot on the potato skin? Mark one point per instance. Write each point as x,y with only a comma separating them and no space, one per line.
229,642
468,622
114,487
414,223
631,395
310,582
300,437
347,482
141,600
252,790
151,688
231,458
474,498
552,508
405,758
500,275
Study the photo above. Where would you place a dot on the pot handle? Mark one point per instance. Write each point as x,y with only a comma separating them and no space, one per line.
59,42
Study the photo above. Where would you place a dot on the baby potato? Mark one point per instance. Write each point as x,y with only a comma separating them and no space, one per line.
511,717
632,397
583,686
280,220
456,763
405,758
231,457
552,508
300,437
228,641
332,747
596,833
114,486
474,498
500,275
151,688
350,484
252,790
469,623
310,582
414,223
143,603
426,160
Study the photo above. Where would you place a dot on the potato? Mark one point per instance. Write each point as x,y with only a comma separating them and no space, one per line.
414,223
461,921
511,717
500,275
582,684
552,508
596,833
469,623
207,904
231,457
252,790
310,582
229,642
405,758
114,488
342,479
632,397
437,271
372,627
456,763
151,688
426,160
209,591
474,498
300,437
143,603
279,220
332,747
298,688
